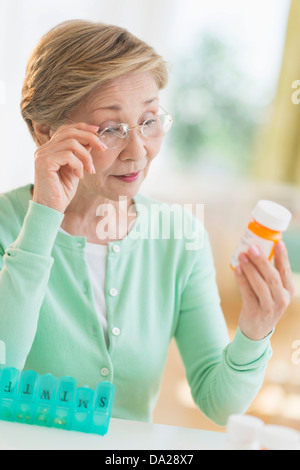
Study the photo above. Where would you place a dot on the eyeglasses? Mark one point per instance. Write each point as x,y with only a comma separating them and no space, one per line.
153,128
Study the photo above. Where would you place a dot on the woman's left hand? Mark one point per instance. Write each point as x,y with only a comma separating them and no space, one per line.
267,290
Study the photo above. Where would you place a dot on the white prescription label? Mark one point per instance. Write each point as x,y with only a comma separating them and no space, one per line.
248,240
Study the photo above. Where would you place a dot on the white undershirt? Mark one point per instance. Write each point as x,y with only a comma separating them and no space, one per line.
96,259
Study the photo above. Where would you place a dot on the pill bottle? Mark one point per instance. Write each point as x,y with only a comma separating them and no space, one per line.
243,432
265,229
272,437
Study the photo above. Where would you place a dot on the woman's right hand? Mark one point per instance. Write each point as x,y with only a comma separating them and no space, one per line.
60,164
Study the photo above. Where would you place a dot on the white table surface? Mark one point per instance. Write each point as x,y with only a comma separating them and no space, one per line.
122,435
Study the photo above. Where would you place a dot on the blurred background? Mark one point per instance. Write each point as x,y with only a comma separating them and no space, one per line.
234,93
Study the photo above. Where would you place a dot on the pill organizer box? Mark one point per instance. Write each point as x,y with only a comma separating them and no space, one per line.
44,400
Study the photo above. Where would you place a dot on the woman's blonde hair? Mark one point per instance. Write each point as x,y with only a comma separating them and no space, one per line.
74,58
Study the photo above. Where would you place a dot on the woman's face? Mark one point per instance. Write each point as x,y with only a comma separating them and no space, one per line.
130,99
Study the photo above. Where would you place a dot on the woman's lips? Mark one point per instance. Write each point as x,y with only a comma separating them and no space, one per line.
130,178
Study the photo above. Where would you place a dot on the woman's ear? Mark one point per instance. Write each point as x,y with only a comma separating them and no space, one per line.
43,132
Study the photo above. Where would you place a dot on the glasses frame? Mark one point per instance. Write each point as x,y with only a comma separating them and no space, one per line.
128,129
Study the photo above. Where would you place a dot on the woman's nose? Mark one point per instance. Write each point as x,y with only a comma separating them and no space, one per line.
135,146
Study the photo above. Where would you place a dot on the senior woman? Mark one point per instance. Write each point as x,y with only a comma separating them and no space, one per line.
78,299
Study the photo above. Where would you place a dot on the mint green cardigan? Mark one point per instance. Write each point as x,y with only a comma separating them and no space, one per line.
156,289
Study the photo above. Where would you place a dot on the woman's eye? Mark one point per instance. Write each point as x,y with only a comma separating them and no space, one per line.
107,125
109,130
150,122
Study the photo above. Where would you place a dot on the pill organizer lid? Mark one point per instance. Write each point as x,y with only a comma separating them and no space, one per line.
28,384
272,215
9,382
84,395
46,387
66,390
275,437
244,428
104,396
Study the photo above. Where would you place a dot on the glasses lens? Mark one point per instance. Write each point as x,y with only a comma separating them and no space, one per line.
157,126
167,122
154,128
113,136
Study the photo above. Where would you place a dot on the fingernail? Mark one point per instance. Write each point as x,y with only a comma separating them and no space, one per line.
281,246
254,251
238,270
243,258
96,128
93,170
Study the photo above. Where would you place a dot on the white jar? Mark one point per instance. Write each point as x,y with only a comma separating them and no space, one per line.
273,437
243,432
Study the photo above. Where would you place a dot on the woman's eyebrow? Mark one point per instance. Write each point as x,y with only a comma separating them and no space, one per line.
118,107
151,100
109,108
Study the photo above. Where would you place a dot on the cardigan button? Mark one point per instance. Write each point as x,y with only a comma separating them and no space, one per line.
116,249
113,292
104,371
116,331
